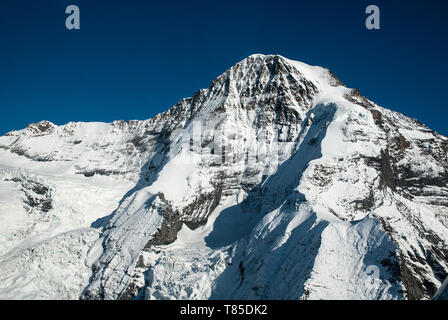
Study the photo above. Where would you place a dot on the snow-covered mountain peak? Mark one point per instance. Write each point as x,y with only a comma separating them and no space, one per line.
277,181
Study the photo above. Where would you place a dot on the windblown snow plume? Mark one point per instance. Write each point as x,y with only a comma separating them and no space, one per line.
276,182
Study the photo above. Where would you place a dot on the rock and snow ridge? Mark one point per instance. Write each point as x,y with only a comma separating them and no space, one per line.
276,182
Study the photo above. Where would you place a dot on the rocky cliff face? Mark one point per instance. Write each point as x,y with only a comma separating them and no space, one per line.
276,182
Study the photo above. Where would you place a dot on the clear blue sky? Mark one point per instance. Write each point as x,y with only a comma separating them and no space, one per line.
132,59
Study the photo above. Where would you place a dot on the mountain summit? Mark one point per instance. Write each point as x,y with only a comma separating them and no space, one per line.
276,182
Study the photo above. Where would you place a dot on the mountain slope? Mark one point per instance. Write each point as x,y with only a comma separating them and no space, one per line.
276,182
442,293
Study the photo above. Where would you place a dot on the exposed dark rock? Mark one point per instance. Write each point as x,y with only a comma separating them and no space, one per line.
400,143
322,175
168,231
366,204
414,287
130,292
392,263
202,207
101,172
43,127
37,196
138,142
387,173
413,277
38,158
241,269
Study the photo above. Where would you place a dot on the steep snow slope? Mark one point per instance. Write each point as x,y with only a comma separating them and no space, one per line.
276,182
442,293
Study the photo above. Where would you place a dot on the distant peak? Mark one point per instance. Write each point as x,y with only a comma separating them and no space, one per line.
43,126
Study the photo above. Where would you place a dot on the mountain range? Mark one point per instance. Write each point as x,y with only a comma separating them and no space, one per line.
276,182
